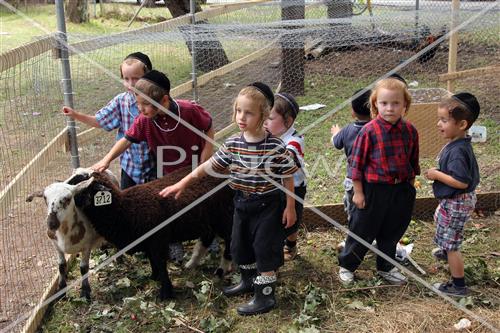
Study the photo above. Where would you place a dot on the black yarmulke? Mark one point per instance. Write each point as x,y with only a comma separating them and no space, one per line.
159,79
397,77
469,101
291,101
265,90
360,104
142,58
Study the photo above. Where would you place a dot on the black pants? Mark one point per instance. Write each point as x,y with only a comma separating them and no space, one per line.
300,191
258,234
386,216
126,181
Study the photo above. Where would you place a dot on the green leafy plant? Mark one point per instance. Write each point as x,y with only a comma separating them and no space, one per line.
307,318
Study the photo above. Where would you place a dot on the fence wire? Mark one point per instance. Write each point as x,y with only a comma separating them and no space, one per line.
316,50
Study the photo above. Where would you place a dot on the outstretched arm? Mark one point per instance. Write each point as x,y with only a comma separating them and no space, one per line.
201,171
82,117
118,149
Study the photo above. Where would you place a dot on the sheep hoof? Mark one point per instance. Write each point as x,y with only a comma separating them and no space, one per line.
85,293
166,294
219,272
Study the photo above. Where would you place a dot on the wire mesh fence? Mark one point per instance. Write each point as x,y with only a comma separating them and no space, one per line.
316,50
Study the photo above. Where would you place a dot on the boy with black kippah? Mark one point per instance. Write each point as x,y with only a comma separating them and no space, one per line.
163,132
174,144
454,184
136,163
344,138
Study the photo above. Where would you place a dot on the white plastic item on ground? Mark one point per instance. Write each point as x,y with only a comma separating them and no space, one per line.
312,107
462,324
478,133
403,251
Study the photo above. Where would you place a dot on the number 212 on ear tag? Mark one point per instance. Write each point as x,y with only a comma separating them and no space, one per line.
102,198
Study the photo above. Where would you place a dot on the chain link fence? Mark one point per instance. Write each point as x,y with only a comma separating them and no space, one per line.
316,50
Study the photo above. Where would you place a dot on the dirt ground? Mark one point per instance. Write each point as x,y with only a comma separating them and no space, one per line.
310,297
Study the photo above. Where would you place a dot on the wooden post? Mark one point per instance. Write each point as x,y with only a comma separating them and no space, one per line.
453,47
292,50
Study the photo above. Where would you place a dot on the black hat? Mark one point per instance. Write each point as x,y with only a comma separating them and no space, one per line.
142,58
159,79
397,77
469,101
291,101
265,90
360,104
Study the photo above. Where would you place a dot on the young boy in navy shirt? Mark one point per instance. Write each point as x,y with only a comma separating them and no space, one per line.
454,185
344,138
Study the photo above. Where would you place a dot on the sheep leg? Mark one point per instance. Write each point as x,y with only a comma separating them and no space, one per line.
63,275
84,269
225,265
155,274
199,251
166,289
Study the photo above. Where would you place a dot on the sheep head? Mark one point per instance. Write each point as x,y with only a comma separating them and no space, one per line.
59,198
95,191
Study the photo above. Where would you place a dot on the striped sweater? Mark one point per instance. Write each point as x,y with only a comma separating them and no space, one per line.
250,162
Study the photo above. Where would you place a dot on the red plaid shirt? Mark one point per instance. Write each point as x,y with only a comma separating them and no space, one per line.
385,153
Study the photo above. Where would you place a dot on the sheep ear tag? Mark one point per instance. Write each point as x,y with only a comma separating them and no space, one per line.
102,198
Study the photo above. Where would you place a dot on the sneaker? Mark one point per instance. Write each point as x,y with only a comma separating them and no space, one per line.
289,252
440,254
450,289
346,276
393,276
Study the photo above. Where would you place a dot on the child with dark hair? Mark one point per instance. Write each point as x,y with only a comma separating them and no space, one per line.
280,124
172,142
344,138
384,163
253,157
136,163
454,185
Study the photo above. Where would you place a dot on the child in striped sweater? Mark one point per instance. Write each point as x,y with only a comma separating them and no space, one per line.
257,162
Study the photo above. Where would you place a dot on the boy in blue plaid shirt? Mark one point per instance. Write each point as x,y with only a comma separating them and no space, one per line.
454,185
136,163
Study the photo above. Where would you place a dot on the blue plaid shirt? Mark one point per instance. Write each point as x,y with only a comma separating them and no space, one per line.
120,113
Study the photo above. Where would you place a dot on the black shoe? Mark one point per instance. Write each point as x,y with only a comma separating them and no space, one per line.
246,283
263,300
450,289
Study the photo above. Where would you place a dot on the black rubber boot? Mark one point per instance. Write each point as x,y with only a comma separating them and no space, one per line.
263,300
246,283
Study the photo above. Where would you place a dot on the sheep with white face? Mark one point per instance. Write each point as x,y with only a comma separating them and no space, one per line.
67,227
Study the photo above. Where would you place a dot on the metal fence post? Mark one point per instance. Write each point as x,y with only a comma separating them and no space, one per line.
66,81
192,12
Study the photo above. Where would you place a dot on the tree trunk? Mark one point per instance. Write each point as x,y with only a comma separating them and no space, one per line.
339,8
209,54
292,50
77,11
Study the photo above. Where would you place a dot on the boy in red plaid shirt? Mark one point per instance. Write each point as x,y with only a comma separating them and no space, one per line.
384,164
